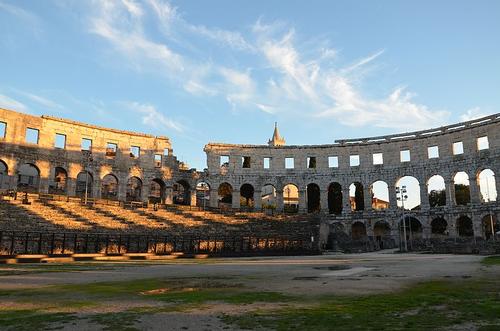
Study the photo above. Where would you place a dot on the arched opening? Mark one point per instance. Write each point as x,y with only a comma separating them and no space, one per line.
462,188
412,227
246,196
356,196
464,227
335,198
4,175
58,182
290,198
84,181
358,231
181,193
225,195
313,198
490,226
157,191
268,197
487,185
28,178
337,236
411,200
380,195
439,227
134,189
381,231
436,191
203,194
109,187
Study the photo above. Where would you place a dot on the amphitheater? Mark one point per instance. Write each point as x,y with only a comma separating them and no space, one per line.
68,186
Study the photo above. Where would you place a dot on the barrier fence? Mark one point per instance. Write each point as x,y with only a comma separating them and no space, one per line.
51,243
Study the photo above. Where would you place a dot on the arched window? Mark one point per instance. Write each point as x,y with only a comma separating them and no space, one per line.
109,187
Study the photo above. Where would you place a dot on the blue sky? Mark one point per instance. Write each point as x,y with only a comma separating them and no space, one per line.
201,71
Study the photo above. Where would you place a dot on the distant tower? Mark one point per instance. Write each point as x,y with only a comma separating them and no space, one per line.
276,140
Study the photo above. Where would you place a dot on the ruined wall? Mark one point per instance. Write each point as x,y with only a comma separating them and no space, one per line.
472,161
15,151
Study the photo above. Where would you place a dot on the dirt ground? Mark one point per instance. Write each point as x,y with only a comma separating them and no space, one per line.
356,274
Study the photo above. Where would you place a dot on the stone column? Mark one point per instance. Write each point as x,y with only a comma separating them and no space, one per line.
257,200
122,190
169,195
474,190
214,197
302,200
367,197
144,193
346,202
424,197
477,226
450,192
192,197
426,228
236,199
279,200
71,187
324,201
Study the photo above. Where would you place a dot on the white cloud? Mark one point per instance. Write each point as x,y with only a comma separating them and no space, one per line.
12,104
152,117
42,101
472,114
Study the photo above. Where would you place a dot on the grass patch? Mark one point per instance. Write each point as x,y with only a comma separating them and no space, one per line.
491,260
31,319
427,306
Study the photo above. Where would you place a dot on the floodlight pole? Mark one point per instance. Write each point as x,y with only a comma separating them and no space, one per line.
401,191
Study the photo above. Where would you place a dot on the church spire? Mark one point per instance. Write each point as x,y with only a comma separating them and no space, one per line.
276,140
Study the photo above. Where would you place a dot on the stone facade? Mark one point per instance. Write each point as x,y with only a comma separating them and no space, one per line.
304,173
30,140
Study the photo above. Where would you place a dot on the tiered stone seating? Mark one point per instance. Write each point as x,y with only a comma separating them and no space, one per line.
58,216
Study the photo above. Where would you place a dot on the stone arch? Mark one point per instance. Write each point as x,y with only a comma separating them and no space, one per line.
246,196
58,182
380,195
157,191
181,193
268,196
4,175
487,185
439,227
28,178
464,226
134,189
356,196
436,191
225,194
413,227
462,188
203,194
109,187
291,198
84,183
313,198
337,236
358,231
490,222
335,198
412,187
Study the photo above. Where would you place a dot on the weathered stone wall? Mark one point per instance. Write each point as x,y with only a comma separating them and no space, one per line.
472,161
15,151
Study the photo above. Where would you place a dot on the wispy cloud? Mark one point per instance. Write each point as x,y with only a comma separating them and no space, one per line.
31,20
152,117
41,100
12,104
472,114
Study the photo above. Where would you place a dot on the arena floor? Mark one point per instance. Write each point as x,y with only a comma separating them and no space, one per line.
253,293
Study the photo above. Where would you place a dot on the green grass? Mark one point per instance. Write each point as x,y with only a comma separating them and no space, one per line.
31,319
427,306
491,260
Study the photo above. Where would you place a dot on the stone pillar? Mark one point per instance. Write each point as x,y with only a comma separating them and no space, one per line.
424,197
426,228
477,225
393,202
367,197
450,193
452,227
214,197
169,195
192,197
257,200
236,199
474,191
346,202
122,190
144,193
324,201
96,189
302,200
71,187
279,200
